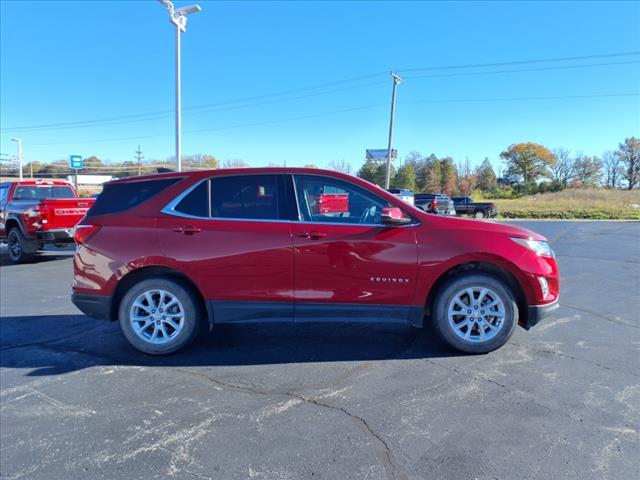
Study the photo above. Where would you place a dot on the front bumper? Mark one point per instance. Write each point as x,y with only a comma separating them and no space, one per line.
537,313
94,306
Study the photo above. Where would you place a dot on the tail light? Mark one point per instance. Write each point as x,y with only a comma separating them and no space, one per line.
84,232
434,205
492,206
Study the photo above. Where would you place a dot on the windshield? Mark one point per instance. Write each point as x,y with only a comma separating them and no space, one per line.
40,192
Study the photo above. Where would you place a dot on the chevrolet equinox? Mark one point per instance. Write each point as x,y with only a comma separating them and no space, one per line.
166,254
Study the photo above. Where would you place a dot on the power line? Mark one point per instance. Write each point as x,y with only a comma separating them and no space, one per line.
225,102
303,117
230,127
523,62
513,99
146,116
539,69
208,110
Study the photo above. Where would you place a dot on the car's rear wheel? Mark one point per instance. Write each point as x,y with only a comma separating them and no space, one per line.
20,248
479,215
159,316
475,313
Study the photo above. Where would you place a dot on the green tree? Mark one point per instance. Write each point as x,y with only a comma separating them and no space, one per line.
405,178
629,152
528,161
375,172
368,171
487,180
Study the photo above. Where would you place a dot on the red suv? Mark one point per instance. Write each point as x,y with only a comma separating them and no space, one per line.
165,254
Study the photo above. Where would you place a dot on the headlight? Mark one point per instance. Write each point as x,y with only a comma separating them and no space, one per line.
541,248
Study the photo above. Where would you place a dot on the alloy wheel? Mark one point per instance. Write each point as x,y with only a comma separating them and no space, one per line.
15,248
157,316
476,314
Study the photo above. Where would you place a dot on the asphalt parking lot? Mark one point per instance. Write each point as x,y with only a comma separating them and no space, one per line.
327,401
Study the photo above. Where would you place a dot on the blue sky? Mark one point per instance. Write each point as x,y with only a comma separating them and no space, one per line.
65,62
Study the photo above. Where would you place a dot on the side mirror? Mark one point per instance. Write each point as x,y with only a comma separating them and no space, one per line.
393,216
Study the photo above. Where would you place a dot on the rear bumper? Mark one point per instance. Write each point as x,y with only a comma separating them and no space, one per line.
537,313
94,306
63,235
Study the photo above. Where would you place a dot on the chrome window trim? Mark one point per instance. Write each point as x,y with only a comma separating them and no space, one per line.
169,209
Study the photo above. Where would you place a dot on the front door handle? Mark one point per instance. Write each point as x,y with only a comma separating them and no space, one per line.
313,235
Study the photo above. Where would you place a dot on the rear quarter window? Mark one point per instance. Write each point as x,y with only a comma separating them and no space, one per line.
118,197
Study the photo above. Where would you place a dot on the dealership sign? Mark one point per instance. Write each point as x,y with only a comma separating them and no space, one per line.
380,155
76,162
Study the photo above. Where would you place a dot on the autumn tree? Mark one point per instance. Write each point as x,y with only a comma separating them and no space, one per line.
340,166
467,178
199,161
487,180
448,178
629,152
432,172
588,171
528,161
612,166
235,163
563,169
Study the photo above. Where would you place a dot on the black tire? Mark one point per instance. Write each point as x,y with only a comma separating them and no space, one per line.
446,296
20,249
479,215
191,316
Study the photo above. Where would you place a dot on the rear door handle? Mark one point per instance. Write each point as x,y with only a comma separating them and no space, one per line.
188,230
314,235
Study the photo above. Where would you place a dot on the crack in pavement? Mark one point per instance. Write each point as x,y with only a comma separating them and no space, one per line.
389,465
570,357
599,315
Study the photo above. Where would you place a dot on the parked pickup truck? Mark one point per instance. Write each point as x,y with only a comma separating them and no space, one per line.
466,206
436,203
34,213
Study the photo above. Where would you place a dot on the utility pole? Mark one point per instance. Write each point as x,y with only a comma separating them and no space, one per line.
139,157
396,81
19,142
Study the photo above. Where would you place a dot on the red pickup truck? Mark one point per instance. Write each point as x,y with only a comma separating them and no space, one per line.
36,212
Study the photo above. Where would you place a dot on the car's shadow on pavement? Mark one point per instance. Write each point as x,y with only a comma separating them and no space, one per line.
49,256
53,345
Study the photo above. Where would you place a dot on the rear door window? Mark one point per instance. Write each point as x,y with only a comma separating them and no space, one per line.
196,202
251,197
118,197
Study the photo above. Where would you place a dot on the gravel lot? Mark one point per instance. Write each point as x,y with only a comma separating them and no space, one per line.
330,402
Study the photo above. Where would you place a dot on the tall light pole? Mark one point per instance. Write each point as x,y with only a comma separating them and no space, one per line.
19,142
179,19
396,81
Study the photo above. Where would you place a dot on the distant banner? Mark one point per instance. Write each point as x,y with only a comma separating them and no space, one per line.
379,154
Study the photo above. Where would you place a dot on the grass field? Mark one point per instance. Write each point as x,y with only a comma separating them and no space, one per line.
574,204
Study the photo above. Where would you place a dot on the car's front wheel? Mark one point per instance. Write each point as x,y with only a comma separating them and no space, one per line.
475,313
159,316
